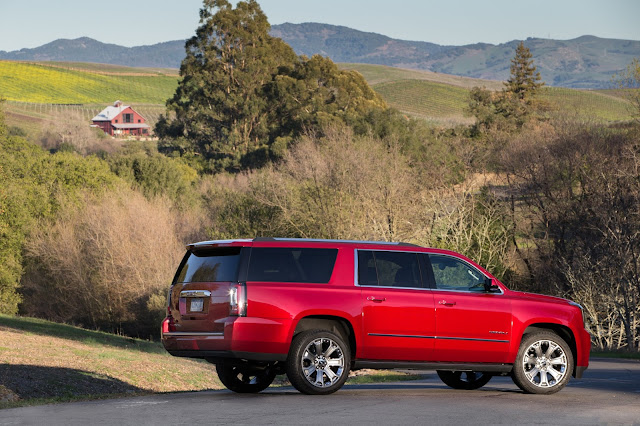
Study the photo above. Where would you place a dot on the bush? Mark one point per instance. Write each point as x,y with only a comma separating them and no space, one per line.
105,264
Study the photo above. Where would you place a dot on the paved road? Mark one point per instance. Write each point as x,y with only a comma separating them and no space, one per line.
609,393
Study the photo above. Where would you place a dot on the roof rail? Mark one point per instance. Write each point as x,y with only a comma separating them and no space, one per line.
320,240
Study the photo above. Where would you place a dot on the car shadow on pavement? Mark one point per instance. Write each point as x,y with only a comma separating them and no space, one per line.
24,382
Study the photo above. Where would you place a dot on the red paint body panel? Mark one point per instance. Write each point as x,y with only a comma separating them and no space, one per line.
388,324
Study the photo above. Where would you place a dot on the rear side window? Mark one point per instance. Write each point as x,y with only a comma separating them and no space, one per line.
303,265
389,269
212,265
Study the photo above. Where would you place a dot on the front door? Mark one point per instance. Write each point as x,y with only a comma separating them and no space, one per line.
472,325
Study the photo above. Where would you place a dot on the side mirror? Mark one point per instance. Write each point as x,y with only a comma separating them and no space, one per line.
489,286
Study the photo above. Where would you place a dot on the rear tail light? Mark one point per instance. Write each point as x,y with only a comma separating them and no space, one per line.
238,300
168,325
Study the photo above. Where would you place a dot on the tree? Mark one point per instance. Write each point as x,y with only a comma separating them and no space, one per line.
244,95
511,107
219,103
524,81
629,83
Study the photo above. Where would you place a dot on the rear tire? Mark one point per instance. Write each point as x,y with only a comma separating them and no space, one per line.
467,380
245,377
318,362
544,363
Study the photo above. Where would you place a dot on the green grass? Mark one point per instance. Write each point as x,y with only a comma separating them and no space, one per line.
616,354
52,84
442,97
36,92
35,326
598,105
383,376
425,99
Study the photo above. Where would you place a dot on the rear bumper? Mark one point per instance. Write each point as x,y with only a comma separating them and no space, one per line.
243,337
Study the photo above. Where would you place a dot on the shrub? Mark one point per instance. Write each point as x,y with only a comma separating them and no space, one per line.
104,264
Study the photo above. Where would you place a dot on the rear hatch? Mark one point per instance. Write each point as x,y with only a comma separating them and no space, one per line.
200,295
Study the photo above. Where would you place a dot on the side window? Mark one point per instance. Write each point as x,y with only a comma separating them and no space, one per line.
389,269
303,265
453,274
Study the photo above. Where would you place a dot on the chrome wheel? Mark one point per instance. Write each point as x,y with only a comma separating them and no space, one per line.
322,362
545,363
318,362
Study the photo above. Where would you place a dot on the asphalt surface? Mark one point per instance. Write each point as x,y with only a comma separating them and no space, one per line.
608,394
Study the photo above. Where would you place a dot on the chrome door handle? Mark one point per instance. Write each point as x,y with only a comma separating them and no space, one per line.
375,299
445,303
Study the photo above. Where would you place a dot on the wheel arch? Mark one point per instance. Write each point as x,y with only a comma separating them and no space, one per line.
339,325
561,330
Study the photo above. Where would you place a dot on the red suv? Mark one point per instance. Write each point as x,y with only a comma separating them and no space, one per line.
316,309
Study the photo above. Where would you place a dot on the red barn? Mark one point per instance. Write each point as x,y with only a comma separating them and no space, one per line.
121,120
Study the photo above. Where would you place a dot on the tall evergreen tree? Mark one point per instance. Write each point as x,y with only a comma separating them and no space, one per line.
219,103
245,95
524,81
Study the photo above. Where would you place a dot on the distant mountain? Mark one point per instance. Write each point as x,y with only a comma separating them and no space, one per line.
85,49
584,62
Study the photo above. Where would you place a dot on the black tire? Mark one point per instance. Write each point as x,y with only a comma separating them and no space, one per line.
245,377
467,380
318,348
544,363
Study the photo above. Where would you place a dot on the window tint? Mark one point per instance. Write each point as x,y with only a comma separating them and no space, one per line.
453,274
304,265
210,266
388,269
367,274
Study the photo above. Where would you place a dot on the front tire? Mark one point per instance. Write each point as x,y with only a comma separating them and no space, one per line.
245,377
467,380
318,362
544,363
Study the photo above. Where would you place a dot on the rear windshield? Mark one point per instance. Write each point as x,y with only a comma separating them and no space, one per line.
210,266
302,265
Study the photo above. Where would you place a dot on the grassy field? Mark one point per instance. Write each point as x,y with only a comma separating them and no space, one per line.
43,362
37,91
442,97
53,84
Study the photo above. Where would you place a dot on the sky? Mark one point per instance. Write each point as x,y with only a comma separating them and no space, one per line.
32,23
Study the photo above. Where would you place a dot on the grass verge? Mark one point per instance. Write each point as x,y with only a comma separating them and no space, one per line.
615,354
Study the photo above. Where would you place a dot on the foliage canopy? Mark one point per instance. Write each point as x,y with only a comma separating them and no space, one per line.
245,94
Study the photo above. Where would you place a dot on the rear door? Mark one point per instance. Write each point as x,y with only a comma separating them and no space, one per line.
200,294
472,325
397,309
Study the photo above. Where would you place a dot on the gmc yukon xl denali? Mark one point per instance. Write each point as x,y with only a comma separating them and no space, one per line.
316,309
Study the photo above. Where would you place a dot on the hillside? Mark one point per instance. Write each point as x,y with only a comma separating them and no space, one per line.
442,97
66,84
37,91
46,361
585,62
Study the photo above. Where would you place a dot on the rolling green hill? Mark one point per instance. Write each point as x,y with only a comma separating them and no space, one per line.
36,91
54,84
442,97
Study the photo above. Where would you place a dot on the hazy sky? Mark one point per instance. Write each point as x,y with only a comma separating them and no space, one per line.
31,23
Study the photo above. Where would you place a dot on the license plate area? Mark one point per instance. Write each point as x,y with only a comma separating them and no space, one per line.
196,304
